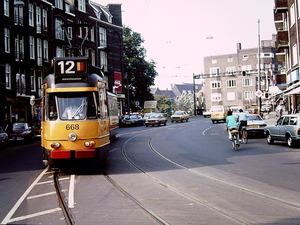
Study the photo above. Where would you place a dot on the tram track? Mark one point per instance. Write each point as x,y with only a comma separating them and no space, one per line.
190,197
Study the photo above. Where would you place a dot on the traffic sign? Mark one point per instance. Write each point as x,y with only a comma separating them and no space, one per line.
259,93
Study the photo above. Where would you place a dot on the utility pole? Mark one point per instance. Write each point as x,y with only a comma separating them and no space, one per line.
258,85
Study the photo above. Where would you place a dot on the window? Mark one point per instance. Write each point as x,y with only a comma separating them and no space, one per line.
6,7
18,11
70,33
214,71
32,80
216,97
45,51
292,15
59,52
231,96
92,31
81,5
231,83
102,37
38,20
39,51
293,121
18,84
229,59
67,7
247,82
59,4
230,70
214,61
6,40
17,48
31,47
103,60
39,83
7,76
93,57
295,55
248,95
45,20
59,33
30,15
215,84
245,56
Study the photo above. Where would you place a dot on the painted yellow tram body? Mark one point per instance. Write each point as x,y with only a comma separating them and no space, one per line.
76,121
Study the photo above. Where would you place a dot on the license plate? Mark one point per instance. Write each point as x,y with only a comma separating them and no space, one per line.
253,126
20,138
128,122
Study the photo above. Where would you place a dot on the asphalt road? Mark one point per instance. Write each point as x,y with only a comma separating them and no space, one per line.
186,173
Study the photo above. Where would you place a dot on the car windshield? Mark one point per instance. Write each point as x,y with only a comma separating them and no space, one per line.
18,126
253,117
155,115
178,113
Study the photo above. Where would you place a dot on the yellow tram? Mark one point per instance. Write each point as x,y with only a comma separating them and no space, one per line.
77,122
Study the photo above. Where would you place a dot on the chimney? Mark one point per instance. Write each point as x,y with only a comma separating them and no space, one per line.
238,46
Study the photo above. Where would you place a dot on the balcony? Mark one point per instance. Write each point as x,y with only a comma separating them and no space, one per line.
281,6
278,21
282,39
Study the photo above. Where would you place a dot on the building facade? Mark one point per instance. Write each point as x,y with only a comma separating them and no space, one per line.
36,31
287,23
232,79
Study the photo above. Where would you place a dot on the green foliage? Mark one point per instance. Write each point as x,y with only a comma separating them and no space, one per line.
164,104
185,103
140,74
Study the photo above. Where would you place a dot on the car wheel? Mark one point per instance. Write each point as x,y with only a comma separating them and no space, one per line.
270,140
290,141
146,125
172,121
187,120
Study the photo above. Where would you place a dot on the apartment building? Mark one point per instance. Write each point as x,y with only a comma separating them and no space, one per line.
232,79
287,23
35,31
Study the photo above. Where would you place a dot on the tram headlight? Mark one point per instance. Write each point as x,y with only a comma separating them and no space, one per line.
55,145
89,144
72,137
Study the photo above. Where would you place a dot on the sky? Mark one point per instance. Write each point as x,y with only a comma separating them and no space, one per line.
179,33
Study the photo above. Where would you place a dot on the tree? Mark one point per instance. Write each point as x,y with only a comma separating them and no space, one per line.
139,73
164,104
185,102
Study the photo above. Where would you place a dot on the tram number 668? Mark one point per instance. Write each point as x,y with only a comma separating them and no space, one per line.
72,127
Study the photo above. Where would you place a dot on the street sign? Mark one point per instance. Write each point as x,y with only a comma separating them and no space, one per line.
259,93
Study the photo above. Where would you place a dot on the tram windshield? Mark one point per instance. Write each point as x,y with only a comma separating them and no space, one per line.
76,106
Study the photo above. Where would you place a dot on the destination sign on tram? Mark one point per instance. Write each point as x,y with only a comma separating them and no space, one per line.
71,69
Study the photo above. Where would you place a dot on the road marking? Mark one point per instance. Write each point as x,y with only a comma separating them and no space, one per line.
41,195
21,199
33,215
71,192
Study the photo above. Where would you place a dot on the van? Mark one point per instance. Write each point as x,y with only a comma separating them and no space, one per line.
218,113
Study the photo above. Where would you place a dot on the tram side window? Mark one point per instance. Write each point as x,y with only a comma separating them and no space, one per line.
52,109
103,106
92,106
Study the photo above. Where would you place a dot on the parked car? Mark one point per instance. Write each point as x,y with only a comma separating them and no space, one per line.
156,119
132,120
19,132
147,115
206,113
3,137
180,116
255,124
286,129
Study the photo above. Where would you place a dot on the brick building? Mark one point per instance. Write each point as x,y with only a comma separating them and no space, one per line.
35,31
287,23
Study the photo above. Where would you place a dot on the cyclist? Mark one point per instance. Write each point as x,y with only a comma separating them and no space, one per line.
242,119
231,124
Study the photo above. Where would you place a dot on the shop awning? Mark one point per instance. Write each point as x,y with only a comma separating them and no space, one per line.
274,90
293,91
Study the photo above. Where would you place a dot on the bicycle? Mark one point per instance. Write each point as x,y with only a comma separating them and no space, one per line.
234,139
244,135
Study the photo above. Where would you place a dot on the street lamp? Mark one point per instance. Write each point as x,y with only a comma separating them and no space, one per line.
195,77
